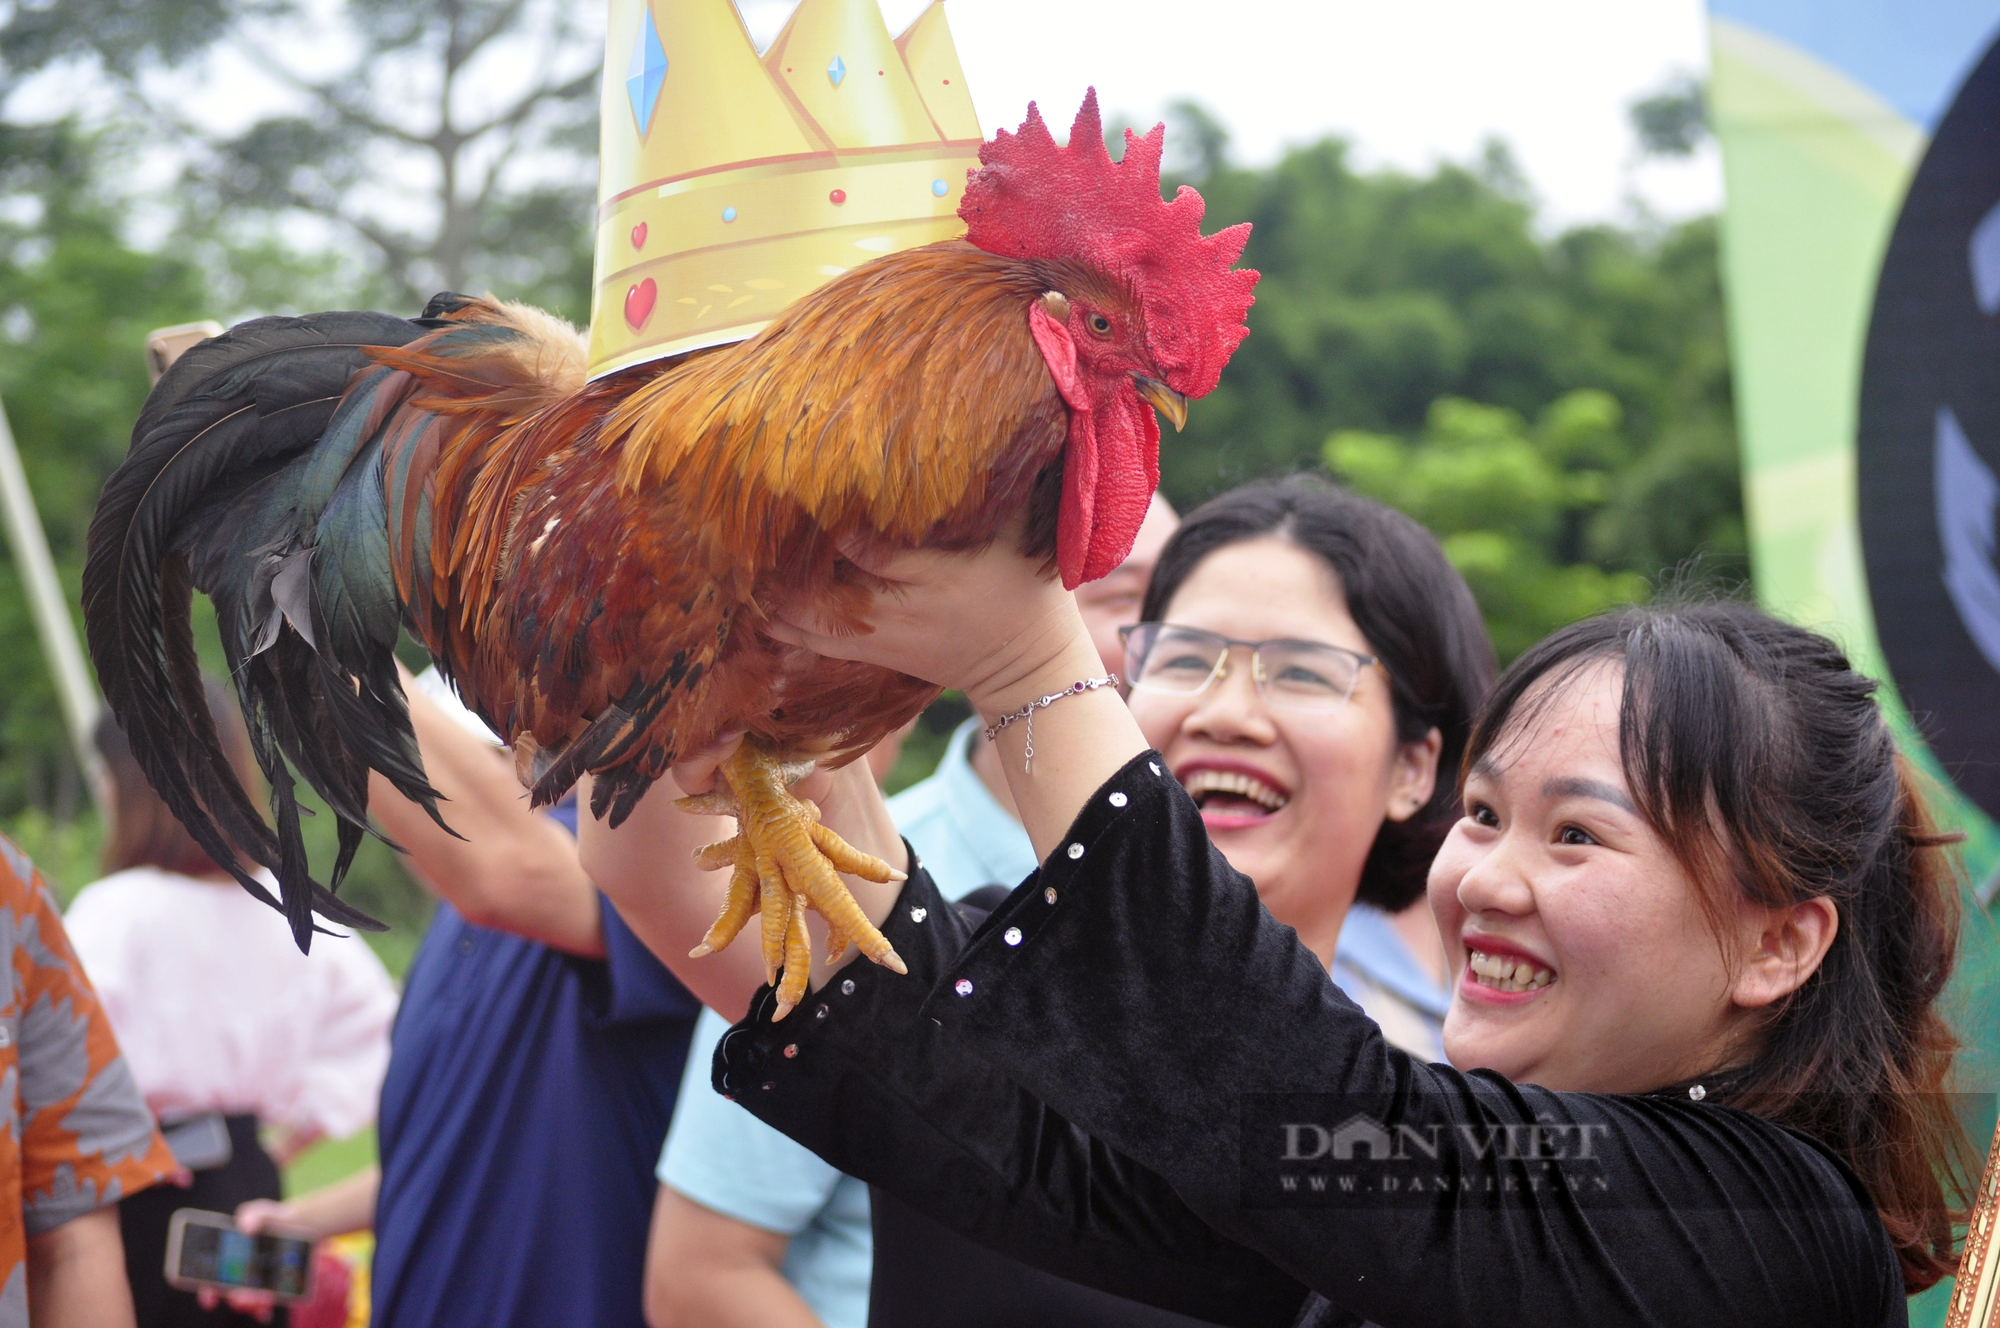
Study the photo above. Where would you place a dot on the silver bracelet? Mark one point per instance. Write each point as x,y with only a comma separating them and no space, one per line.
1027,712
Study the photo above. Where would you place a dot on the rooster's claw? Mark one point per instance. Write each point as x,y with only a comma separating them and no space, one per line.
785,861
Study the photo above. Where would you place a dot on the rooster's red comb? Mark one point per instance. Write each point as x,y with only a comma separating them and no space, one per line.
1033,199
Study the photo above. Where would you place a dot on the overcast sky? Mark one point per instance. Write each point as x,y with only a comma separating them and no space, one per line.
1410,82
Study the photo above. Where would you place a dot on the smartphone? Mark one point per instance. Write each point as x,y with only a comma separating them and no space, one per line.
200,1143
206,1250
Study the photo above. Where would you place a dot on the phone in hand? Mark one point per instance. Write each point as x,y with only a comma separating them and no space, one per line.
206,1250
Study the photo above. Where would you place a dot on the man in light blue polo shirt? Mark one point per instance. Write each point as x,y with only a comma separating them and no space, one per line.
964,834
751,1228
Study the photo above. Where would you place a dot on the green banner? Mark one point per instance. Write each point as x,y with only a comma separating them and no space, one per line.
1861,266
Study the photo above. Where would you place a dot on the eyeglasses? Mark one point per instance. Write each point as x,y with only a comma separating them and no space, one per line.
1297,675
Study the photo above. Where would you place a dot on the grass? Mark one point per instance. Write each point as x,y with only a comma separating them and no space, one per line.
328,1161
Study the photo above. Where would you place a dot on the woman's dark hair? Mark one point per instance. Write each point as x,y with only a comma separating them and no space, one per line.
1761,759
1407,599
142,832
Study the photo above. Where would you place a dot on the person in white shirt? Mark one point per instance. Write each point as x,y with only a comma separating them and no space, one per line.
227,1028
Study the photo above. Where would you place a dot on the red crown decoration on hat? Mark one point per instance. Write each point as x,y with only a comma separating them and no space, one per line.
1031,198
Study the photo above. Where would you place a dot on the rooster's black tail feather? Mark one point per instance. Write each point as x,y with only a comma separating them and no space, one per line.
255,476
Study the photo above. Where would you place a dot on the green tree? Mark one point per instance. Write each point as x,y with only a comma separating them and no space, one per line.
1419,321
428,178
1673,121
1390,303
468,192
1513,506
75,306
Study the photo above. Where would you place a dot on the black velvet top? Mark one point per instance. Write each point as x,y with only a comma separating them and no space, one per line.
1133,1076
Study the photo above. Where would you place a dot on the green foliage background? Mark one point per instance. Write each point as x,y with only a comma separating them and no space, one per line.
1556,408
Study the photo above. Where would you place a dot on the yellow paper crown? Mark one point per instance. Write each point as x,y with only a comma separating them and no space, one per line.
730,184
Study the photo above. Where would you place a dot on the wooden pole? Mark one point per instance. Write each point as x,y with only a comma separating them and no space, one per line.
1978,1288
75,691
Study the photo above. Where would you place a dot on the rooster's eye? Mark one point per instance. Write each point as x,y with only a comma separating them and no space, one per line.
1099,324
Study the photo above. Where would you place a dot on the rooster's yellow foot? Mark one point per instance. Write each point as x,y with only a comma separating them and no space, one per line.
784,861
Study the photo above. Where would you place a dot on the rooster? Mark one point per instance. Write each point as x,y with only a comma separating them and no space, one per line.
595,564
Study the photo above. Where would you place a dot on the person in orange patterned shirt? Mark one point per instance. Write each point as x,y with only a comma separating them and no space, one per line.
77,1135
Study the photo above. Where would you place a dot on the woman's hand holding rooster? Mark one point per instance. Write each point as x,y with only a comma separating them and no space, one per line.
999,627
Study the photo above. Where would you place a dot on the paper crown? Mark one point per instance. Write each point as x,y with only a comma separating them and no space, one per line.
732,184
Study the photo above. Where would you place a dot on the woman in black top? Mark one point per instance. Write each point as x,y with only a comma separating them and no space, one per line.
1321,797
1698,924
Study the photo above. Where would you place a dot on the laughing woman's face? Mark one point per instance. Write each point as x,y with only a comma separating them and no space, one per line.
1293,798
1580,956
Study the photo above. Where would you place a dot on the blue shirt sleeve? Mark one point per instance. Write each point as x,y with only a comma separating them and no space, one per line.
637,986
629,985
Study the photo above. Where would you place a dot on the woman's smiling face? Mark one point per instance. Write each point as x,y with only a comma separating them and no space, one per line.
1580,956
1293,798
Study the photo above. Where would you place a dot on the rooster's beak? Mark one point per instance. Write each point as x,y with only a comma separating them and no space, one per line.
1167,401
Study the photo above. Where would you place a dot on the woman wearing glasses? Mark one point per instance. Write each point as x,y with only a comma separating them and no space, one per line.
1309,663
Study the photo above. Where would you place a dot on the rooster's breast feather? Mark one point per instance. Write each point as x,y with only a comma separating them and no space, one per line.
905,399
